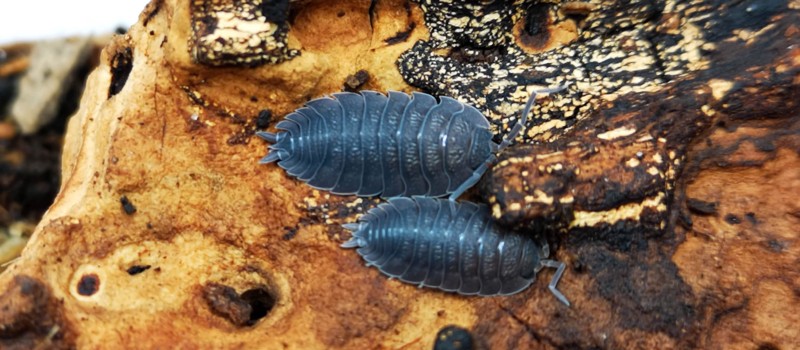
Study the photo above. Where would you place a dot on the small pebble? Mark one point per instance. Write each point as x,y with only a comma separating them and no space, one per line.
453,338
127,206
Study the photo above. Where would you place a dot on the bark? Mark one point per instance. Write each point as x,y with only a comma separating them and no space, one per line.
665,176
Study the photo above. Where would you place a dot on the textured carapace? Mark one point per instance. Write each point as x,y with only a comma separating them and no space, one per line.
449,245
369,144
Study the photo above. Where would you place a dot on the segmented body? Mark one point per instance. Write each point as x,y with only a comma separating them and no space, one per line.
448,245
369,144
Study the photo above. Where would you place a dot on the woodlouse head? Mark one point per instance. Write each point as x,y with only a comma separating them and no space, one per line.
532,257
480,150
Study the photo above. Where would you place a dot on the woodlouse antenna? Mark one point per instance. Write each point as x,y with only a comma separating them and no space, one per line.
505,143
559,266
524,119
476,176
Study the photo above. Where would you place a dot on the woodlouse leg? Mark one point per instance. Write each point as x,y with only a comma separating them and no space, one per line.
472,179
524,119
559,266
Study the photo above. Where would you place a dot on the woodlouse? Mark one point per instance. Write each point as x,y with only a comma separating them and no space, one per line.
369,144
451,246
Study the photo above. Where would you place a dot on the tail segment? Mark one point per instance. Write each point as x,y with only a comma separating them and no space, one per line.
351,226
268,136
271,157
352,243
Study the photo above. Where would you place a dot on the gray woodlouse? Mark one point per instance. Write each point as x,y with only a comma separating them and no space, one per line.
451,246
369,144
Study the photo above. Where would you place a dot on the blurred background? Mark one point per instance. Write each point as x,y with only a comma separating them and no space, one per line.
22,21
47,50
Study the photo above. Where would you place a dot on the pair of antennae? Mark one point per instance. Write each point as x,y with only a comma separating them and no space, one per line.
524,119
478,173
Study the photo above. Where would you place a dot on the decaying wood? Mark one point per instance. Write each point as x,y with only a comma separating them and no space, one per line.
665,175
53,65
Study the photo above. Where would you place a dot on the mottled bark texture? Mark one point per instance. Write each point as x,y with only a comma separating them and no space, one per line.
665,176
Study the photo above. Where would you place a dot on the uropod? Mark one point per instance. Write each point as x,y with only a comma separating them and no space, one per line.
369,144
449,245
